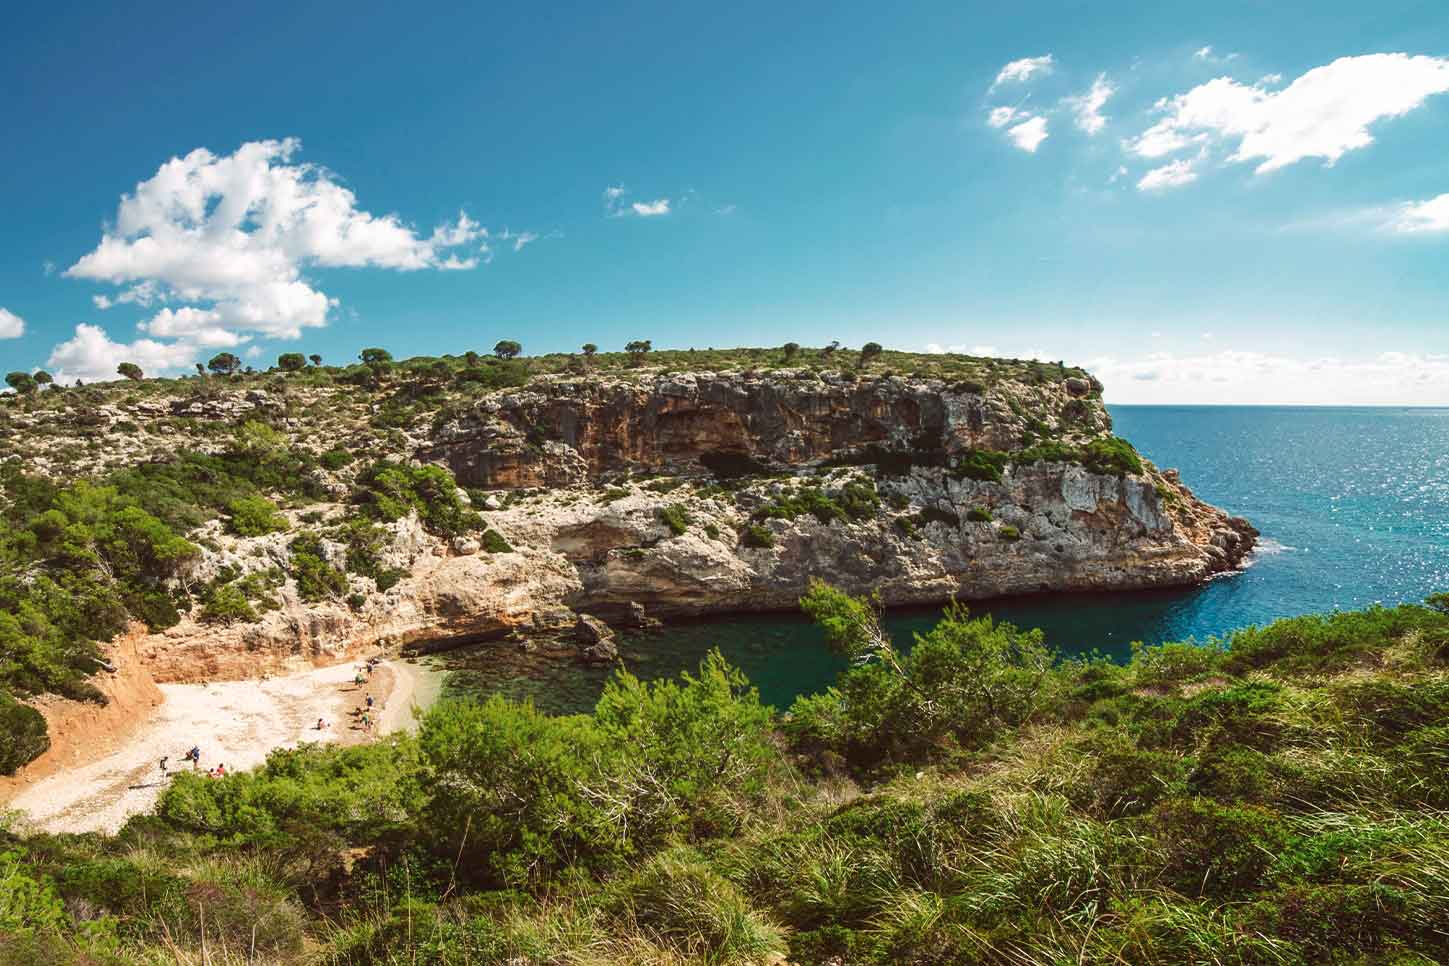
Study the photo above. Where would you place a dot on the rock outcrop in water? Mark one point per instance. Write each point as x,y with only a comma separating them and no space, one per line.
699,493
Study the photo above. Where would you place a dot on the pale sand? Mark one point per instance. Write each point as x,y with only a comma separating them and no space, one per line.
235,723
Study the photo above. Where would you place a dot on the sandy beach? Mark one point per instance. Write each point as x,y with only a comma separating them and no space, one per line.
235,724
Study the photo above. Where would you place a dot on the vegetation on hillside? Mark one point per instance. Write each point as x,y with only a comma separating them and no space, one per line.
1279,797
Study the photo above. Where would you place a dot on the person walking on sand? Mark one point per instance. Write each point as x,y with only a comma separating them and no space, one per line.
321,725
163,764
195,755
369,702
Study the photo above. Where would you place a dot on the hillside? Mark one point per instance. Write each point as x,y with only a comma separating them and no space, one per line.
1278,799
239,523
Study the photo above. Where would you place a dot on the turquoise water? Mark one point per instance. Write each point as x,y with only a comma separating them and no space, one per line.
1353,504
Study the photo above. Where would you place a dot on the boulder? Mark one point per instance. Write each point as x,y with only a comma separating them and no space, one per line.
596,640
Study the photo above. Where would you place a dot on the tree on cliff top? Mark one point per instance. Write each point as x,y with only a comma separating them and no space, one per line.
507,349
869,352
130,371
224,364
291,362
637,349
22,382
590,349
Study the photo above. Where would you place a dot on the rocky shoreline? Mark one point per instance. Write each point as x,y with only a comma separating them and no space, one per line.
666,494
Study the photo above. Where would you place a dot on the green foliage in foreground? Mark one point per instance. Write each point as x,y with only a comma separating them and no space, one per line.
1280,797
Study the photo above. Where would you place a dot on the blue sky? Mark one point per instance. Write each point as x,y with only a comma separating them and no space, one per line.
1233,202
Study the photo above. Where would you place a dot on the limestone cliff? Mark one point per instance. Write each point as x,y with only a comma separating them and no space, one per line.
691,493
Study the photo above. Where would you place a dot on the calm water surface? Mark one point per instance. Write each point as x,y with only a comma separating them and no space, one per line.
1353,504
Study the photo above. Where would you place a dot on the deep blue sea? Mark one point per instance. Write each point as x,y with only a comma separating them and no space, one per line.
1353,505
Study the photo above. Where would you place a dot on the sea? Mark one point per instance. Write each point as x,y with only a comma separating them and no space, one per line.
1352,503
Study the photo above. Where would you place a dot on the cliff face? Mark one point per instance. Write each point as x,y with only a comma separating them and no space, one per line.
572,431
675,492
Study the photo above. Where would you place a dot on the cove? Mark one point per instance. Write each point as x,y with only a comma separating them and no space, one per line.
1353,505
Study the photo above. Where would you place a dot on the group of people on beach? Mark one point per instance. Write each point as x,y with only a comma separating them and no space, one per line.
363,714
193,756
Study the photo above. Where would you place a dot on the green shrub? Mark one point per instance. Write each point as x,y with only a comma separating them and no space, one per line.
1008,533
980,464
23,736
978,514
1216,850
336,458
316,578
389,491
253,516
676,517
757,536
493,542
228,604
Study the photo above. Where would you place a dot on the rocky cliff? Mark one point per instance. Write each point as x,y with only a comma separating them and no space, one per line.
689,493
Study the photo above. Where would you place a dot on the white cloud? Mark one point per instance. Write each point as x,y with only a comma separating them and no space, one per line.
1087,108
1172,175
1207,55
1270,80
1325,113
228,237
519,238
1246,377
1001,116
725,209
616,207
92,356
1421,217
1029,134
12,326
1024,69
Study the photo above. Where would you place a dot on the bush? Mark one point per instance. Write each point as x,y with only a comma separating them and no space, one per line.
316,578
980,464
389,491
960,684
758,537
1008,533
676,517
253,516
228,604
493,542
1216,850
978,514
23,736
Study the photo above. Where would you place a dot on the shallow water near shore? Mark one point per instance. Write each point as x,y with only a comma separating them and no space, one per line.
1353,505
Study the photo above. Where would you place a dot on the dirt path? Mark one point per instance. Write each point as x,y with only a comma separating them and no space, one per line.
235,723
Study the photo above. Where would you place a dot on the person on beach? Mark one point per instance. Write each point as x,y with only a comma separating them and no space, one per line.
220,771
195,755
163,763
321,725
369,702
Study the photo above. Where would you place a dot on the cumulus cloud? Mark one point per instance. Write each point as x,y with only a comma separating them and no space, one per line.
1325,113
1029,134
1248,377
12,326
1024,69
1419,217
223,240
92,356
1172,175
650,209
1087,108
